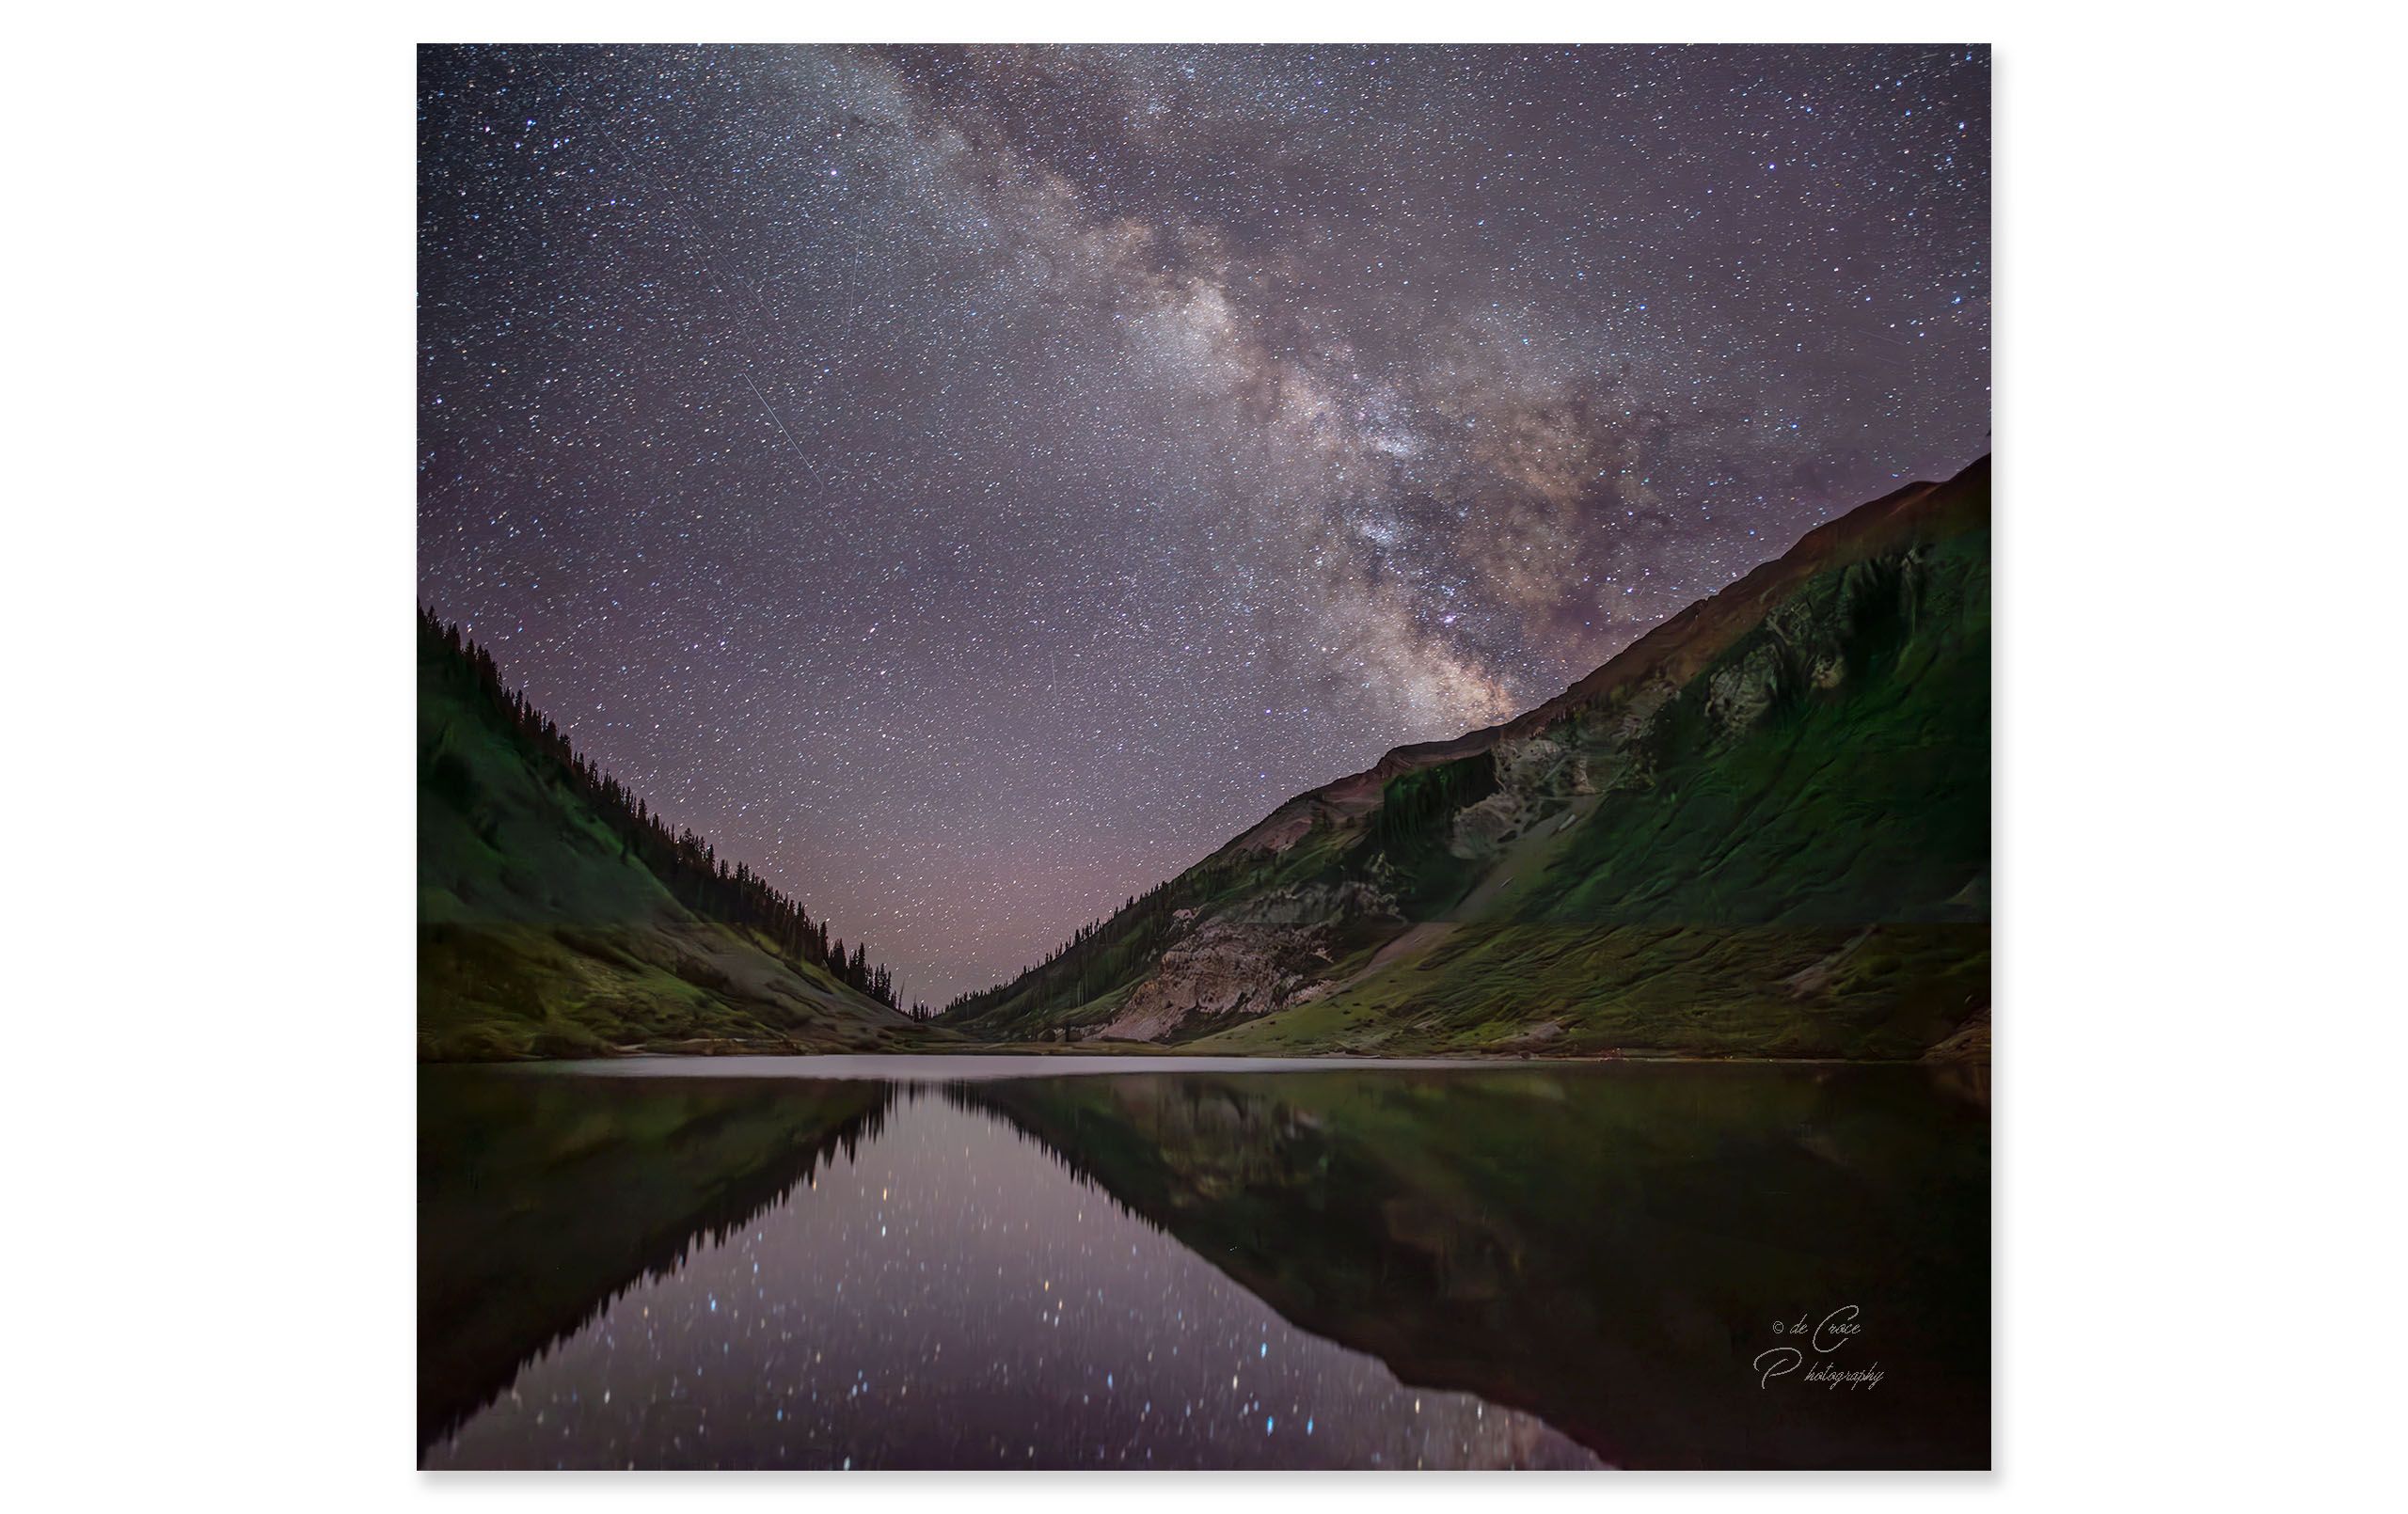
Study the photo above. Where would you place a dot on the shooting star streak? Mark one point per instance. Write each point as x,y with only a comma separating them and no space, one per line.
772,413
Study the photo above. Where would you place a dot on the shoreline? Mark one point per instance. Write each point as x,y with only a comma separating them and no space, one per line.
714,1053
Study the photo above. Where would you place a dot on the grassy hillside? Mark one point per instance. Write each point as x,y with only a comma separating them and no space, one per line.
544,930
1762,829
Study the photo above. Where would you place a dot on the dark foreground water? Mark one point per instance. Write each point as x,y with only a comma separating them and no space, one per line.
682,1265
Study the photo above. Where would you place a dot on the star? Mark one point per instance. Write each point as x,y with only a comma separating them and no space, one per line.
969,485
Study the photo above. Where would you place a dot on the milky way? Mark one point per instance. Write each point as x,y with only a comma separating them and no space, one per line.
972,485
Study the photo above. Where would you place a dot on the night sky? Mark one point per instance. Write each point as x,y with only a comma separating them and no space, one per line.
970,485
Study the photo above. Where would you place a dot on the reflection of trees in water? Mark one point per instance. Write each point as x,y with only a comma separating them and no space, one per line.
543,1201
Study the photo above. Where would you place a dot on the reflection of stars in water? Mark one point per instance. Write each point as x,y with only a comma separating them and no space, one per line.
953,1298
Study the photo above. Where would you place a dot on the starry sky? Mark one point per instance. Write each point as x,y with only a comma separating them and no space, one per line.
970,484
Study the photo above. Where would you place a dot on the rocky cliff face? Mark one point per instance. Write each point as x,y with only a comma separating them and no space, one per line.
1764,827
1221,970
1256,956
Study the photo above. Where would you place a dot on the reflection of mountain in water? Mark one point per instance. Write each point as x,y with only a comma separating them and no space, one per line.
541,1201
1607,1247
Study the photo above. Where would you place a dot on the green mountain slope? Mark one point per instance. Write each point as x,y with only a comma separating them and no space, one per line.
1763,828
551,923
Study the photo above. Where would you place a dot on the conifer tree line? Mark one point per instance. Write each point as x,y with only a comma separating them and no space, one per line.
692,870
1411,802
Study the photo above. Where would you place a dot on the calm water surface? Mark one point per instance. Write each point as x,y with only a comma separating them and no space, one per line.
1191,1264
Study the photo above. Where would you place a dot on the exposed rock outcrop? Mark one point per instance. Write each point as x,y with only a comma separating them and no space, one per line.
1225,970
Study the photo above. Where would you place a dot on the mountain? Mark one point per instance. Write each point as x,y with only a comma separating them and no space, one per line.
558,916
1761,829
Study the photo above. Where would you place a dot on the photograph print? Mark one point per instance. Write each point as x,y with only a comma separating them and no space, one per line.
1203,757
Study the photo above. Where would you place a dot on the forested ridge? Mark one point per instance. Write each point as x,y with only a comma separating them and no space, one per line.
688,864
